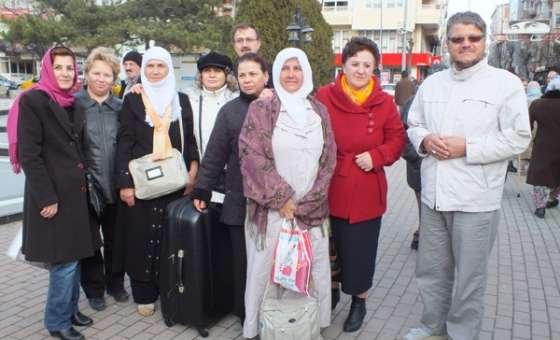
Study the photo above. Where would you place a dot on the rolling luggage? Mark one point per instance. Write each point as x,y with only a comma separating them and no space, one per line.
195,281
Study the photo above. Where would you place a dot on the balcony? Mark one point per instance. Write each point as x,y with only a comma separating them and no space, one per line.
337,16
429,14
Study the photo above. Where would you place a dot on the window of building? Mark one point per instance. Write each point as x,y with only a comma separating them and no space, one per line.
335,5
400,3
373,3
340,38
391,3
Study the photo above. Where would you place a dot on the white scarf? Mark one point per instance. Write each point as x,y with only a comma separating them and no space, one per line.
164,92
294,103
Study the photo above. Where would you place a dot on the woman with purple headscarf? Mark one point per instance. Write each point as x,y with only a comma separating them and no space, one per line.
57,226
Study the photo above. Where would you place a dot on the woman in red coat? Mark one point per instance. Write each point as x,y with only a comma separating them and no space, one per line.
369,135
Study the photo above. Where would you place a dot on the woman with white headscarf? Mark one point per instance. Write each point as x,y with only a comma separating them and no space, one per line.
142,220
287,154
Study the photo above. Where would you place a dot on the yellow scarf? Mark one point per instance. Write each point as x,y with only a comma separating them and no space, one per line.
357,96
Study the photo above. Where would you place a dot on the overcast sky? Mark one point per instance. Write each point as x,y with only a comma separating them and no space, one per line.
483,7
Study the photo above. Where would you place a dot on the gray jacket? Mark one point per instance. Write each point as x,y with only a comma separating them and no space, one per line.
100,139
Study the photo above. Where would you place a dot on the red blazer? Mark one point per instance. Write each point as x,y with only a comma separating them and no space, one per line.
374,126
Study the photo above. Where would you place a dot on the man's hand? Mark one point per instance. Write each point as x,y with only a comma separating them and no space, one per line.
364,161
137,88
127,196
288,210
434,145
49,211
199,205
456,145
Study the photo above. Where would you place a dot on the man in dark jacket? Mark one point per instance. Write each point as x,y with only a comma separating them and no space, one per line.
404,90
132,62
246,39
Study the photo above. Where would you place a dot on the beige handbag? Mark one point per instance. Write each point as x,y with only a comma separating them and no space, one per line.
163,171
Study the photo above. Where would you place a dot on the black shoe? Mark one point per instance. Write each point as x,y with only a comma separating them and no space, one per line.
356,316
68,334
335,297
540,212
97,304
81,320
119,295
552,204
415,239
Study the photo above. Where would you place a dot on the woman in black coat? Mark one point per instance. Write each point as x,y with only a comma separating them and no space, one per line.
544,168
57,226
142,220
222,152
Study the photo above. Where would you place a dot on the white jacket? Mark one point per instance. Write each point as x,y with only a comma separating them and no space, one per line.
488,107
204,117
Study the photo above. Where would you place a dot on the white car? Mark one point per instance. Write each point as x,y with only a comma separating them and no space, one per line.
389,88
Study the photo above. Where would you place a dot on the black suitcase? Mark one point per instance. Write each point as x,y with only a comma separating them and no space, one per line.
195,281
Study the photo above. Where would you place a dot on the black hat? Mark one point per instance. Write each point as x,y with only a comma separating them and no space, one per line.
133,56
216,60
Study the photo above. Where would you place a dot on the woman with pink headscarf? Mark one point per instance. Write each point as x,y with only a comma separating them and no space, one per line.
57,226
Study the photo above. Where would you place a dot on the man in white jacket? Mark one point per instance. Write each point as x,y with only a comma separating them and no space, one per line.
467,122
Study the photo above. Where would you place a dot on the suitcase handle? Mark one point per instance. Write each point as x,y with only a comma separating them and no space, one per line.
180,255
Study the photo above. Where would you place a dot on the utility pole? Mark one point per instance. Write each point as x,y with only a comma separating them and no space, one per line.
381,34
404,41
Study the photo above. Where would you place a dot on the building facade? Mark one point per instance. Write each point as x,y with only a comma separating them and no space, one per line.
406,31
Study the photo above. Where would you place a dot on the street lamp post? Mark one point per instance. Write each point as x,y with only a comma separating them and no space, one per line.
299,32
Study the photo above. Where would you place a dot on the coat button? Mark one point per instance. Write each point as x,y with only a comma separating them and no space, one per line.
72,143
369,130
81,166
83,188
370,123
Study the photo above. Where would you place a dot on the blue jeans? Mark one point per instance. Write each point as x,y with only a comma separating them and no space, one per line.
63,295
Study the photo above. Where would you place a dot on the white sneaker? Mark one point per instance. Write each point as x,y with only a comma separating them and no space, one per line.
422,334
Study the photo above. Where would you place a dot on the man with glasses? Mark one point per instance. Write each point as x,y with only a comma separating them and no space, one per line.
466,122
247,39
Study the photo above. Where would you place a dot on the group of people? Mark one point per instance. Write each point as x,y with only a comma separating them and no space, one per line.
259,154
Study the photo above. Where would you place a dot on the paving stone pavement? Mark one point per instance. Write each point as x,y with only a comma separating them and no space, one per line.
522,299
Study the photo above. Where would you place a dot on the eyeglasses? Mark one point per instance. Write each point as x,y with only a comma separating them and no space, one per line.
470,38
247,40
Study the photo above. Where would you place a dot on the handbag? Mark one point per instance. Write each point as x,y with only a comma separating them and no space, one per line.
294,318
293,256
96,197
153,176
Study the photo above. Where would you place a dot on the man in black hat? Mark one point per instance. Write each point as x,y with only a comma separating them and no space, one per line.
132,62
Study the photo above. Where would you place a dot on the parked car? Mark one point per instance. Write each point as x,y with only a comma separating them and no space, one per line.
389,88
12,85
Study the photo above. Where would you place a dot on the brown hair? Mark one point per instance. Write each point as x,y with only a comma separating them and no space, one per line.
103,54
358,44
244,26
254,58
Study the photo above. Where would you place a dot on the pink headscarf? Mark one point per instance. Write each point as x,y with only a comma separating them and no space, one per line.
48,84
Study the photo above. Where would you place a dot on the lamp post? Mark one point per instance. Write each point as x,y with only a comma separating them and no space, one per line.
299,32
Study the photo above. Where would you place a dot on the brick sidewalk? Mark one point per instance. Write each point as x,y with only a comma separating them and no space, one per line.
522,300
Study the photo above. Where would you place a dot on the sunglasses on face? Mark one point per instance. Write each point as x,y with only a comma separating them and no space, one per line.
470,38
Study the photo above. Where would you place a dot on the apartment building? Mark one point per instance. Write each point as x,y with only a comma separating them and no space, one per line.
395,25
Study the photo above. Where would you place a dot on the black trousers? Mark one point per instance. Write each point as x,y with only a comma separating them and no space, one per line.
97,273
356,247
144,292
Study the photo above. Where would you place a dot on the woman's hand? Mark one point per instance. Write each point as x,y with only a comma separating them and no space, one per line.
364,161
266,93
127,196
190,185
199,205
49,211
288,210
137,88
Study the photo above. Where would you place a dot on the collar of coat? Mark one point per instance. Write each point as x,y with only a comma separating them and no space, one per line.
86,101
344,104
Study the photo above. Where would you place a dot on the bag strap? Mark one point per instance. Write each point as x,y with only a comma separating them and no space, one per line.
200,125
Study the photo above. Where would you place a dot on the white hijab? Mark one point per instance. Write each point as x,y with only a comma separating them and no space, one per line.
294,103
163,92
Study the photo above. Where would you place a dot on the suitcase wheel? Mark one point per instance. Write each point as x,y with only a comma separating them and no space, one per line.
169,322
202,331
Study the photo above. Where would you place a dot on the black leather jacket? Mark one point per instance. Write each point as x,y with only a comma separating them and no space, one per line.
100,139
